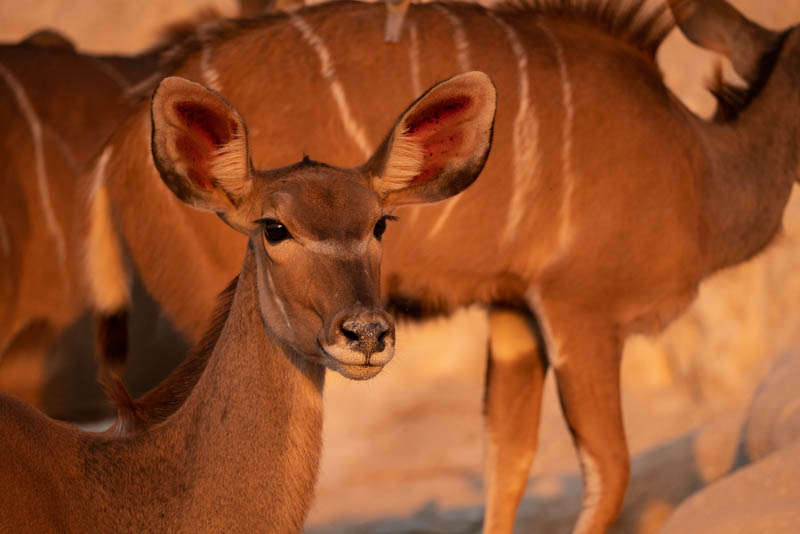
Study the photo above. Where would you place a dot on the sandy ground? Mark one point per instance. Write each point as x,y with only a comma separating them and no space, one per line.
403,452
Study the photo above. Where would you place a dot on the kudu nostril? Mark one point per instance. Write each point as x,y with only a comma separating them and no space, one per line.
367,337
349,334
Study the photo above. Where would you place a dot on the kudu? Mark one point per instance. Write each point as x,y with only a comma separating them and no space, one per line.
603,206
60,106
240,450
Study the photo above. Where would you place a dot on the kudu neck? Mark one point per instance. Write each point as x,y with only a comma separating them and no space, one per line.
753,164
254,419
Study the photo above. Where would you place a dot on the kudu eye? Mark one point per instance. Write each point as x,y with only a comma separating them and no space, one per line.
275,231
380,226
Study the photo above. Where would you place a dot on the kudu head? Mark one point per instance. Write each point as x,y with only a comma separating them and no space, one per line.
759,55
315,230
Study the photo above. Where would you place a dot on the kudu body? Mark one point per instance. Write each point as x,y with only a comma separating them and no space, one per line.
59,107
239,449
603,206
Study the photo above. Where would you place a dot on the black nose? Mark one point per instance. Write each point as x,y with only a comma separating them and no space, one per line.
367,333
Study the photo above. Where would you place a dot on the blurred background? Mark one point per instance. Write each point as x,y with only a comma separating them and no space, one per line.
403,452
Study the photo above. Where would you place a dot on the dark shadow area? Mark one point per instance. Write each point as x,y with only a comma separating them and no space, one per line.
71,391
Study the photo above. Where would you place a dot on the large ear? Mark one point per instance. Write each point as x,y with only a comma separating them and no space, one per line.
200,146
718,26
439,145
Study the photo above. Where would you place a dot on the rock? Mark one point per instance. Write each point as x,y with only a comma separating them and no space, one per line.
763,498
773,419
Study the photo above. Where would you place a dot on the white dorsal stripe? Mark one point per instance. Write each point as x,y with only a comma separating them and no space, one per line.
5,241
41,170
413,60
568,177
210,74
351,126
459,36
525,136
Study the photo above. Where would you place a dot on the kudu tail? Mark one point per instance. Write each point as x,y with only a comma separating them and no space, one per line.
130,416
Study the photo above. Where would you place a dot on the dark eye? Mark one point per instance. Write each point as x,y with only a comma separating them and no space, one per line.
380,226
275,231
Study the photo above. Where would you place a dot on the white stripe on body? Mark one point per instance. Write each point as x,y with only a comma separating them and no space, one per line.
459,36
462,56
351,126
65,150
565,232
210,74
525,136
5,241
112,72
41,171
413,60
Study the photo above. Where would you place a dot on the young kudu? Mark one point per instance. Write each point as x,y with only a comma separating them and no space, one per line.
240,451
603,206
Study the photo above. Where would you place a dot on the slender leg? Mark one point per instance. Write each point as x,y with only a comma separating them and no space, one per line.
585,352
514,383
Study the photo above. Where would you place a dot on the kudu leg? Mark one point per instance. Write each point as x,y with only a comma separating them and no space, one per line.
514,382
585,353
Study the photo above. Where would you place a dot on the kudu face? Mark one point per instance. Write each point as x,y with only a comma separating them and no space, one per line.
315,230
318,253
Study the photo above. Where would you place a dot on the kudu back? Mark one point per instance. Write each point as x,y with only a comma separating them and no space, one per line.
239,449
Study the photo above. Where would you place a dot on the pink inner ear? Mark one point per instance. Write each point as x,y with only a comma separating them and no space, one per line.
443,111
205,131
436,127
205,121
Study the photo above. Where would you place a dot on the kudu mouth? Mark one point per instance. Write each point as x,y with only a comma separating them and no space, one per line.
358,343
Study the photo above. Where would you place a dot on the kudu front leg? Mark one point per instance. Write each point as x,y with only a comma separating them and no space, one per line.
513,398
585,353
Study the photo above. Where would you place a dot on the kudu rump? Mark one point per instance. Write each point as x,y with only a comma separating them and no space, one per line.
231,441
603,206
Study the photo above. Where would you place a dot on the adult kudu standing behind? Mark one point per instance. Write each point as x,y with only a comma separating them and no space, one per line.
231,441
604,204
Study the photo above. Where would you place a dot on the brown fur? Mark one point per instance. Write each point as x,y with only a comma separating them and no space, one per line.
650,201
163,400
626,21
623,252
234,440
